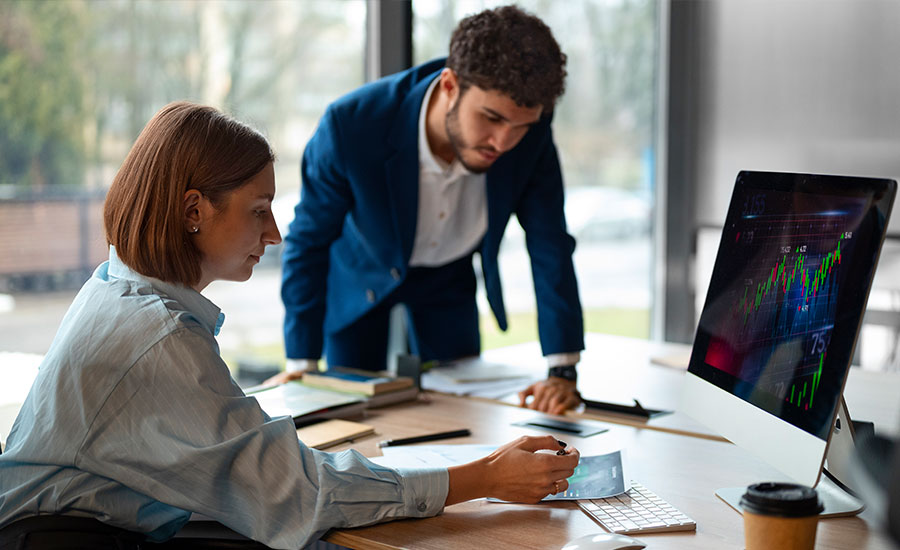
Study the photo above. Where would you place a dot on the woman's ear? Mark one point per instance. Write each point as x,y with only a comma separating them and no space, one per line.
193,215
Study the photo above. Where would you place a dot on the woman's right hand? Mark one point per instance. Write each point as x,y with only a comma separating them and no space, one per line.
515,472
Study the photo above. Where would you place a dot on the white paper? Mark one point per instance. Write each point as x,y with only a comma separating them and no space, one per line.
296,399
431,456
478,370
491,390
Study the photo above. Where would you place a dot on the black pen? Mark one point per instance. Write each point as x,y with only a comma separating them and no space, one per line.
562,444
423,438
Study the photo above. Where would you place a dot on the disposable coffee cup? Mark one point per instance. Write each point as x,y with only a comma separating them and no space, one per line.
780,516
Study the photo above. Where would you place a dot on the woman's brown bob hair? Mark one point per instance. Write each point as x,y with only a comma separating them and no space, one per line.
184,146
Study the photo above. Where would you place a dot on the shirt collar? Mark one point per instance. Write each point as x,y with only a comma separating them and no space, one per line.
427,161
208,313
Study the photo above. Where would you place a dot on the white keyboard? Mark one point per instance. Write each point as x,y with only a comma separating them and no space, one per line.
638,510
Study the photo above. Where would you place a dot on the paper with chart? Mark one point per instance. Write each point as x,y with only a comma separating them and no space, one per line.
597,476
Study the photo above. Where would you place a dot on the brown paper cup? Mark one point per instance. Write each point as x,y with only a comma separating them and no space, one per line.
780,516
775,533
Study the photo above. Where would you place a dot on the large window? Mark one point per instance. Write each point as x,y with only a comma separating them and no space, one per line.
80,78
78,81
604,128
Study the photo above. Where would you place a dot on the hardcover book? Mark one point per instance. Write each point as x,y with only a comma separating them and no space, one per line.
332,432
357,381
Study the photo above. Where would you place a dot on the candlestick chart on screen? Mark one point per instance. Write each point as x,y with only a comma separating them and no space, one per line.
788,291
781,310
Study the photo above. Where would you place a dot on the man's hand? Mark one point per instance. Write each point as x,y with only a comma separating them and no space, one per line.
553,395
282,377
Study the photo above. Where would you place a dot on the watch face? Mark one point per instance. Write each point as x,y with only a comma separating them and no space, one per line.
568,372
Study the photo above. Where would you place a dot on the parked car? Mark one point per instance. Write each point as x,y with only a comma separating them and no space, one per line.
593,214
597,214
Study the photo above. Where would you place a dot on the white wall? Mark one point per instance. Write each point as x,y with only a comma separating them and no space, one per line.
794,85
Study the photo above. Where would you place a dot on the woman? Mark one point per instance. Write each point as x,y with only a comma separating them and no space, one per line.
135,420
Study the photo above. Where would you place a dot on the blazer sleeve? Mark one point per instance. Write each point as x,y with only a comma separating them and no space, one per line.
325,200
550,248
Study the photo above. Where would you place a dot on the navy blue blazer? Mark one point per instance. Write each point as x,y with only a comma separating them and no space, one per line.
354,227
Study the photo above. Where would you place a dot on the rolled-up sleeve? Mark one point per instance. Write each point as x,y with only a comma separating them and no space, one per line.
188,437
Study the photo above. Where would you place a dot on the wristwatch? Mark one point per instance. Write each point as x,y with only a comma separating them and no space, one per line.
566,372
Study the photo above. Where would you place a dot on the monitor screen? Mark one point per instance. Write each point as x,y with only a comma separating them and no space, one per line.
788,290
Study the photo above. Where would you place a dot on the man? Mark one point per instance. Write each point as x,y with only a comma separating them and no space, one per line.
406,178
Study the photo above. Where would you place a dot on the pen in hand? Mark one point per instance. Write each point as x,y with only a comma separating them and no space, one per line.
423,438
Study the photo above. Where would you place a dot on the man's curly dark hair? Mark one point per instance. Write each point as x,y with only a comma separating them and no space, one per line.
511,51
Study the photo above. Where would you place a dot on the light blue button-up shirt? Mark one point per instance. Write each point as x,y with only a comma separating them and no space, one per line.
134,419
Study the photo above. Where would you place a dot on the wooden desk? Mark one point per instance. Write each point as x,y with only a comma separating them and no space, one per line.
618,369
683,470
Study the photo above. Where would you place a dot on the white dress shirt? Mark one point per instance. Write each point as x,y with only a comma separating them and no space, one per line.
452,204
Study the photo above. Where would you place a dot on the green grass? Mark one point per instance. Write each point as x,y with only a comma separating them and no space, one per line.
523,326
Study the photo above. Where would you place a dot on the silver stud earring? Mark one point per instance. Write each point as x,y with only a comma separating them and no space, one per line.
194,229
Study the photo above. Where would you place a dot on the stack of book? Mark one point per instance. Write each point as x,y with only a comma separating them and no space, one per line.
376,388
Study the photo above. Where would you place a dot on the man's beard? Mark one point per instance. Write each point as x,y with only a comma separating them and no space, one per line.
454,135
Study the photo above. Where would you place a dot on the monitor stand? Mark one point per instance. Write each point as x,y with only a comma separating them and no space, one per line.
837,501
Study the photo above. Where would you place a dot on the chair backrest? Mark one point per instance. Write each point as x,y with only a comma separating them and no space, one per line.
56,532
66,533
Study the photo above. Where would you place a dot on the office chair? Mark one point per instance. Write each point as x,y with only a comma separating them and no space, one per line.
51,532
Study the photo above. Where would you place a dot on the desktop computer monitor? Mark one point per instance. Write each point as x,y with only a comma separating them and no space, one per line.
784,307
